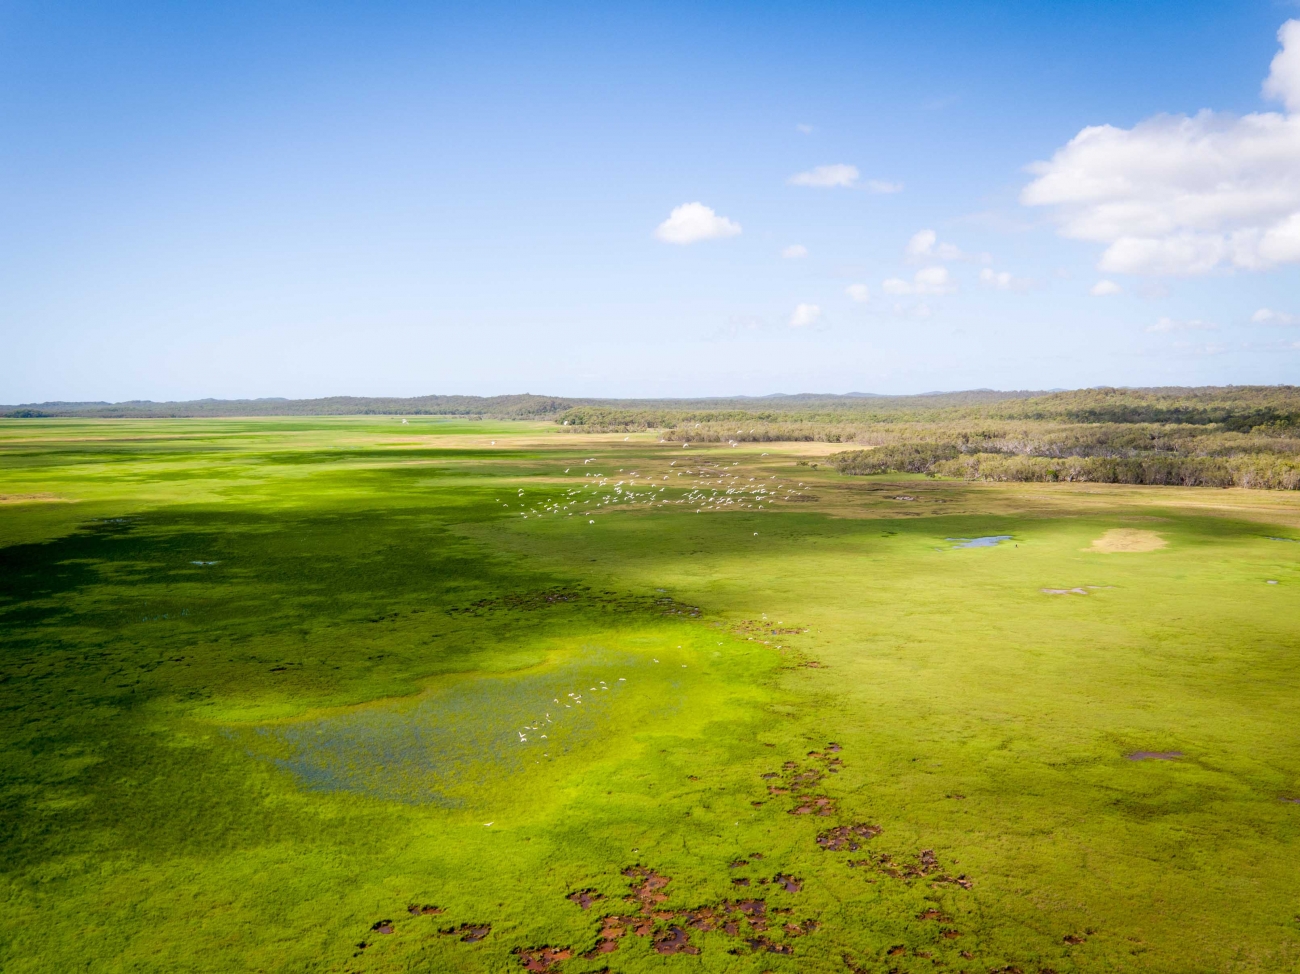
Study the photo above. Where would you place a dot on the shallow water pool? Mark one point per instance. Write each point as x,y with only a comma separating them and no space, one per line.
987,542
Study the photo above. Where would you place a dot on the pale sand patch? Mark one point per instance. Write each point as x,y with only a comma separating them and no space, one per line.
1128,539
33,499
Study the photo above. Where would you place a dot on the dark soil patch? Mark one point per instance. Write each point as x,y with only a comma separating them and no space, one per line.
847,838
471,933
674,940
542,959
1073,939
585,898
415,910
814,805
740,882
1154,755
788,883
383,926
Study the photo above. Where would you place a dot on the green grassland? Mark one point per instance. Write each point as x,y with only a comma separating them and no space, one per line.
267,684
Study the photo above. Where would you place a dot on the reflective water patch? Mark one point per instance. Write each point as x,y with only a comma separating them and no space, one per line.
470,732
987,542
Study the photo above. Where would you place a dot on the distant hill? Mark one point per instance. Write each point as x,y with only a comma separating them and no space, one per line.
1238,407
525,406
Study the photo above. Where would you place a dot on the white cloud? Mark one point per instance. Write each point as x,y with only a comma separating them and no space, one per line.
1267,316
692,222
925,245
881,186
805,129
858,292
795,251
1002,280
805,315
921,244
1104,288
1166,325
826,176
928,280
1179,195
1283,81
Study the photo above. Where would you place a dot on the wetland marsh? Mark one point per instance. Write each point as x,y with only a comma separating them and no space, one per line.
339,694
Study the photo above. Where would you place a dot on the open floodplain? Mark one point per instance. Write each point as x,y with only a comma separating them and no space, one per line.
352,695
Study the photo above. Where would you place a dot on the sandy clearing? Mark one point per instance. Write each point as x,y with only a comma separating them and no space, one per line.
33,499
1128,539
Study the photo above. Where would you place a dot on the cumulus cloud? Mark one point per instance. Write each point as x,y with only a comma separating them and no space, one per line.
1104,288
1166,325
928,280
1267,316
1002,280
826,177
805,315
1283,81
692,222
795,251
925,245
859,293
1179,195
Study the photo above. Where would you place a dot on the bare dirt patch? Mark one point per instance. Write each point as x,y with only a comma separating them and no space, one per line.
33,499
585,898
1119,540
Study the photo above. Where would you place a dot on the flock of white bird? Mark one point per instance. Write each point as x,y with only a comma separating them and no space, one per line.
714,487
572,699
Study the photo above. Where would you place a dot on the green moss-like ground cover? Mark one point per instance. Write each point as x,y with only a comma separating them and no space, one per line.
268,683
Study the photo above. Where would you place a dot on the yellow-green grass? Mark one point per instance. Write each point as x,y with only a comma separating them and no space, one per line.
247,764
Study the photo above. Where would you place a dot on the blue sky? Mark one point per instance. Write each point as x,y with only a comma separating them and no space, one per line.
395,199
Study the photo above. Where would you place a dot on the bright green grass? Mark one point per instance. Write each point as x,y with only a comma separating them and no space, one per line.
245,764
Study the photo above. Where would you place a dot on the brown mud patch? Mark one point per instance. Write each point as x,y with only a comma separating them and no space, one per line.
1127,540
670,930
1154,756
427,910
674,940
585,898
847,838
471,933
542,959
34,499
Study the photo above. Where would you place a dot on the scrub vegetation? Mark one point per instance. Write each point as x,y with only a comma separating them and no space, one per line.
467,694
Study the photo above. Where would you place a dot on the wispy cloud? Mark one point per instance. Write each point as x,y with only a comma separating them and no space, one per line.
692,222
826,177
805,129
1104,289
1003,280
1267,316
859,293
1166,325
881,186
928,280
805,315
794,252
925,245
